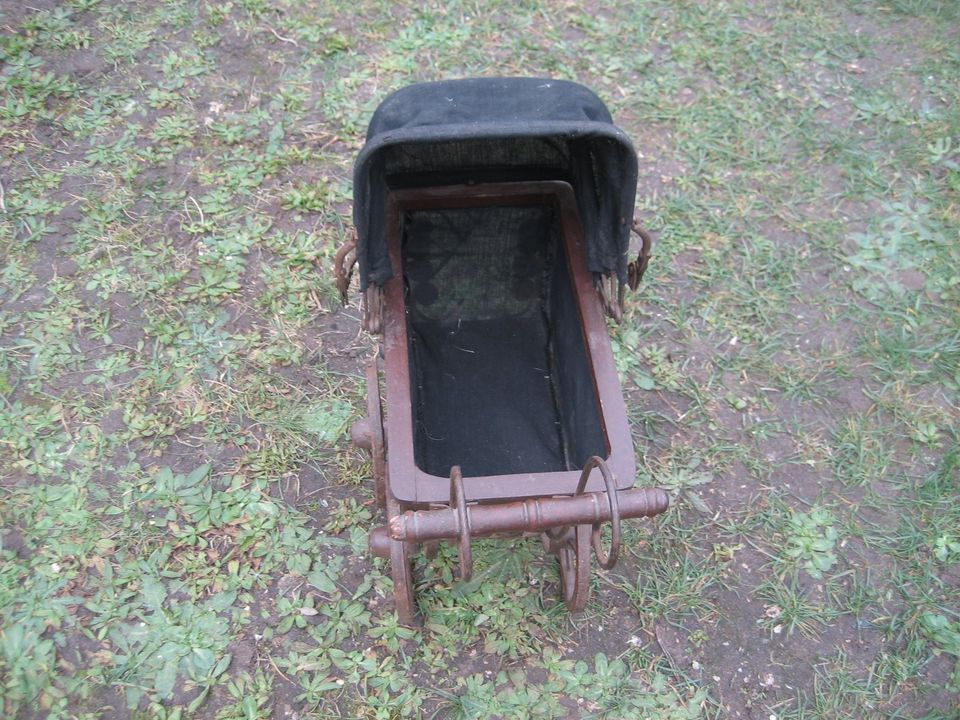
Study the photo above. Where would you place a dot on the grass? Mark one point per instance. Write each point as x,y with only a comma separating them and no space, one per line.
183,522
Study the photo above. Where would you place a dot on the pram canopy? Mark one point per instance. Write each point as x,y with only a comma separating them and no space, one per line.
497,130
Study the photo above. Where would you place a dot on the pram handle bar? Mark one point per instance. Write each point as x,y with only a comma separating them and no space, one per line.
530,515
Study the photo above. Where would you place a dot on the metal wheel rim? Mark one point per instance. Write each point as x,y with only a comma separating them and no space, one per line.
401,572
574,556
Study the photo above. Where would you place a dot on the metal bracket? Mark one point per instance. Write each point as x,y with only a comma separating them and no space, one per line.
458,501
609,559
638,267
372,301
343,263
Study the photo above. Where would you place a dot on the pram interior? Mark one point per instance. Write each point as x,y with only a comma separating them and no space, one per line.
499,371
491,364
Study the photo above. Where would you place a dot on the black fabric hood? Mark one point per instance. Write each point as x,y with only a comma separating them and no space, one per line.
497,130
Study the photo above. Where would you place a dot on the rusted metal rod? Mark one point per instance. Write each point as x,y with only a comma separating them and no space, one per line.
531,515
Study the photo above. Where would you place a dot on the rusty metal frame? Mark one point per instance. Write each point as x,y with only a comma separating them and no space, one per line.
408,484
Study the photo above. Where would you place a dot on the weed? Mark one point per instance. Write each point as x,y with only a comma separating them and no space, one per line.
790,608
860,456
676,581
251,697
810,540
946,635
310,198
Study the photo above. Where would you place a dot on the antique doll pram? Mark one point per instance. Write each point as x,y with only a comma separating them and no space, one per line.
493,221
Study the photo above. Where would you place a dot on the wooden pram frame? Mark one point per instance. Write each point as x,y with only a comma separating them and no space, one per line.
566,507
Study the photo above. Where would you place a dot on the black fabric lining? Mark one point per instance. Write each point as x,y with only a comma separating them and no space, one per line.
546,311
492,328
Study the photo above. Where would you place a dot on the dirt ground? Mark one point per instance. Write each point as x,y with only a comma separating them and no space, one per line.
183,520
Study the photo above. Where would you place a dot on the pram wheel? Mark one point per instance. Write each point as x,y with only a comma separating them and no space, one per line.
375,422
401,571
367,433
